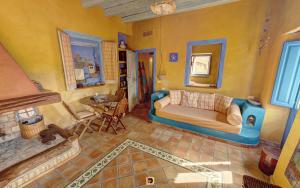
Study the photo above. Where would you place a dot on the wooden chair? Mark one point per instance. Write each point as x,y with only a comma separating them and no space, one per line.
250,182
84,118
119,95
113,117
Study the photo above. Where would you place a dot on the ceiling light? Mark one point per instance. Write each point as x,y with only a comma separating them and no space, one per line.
163,7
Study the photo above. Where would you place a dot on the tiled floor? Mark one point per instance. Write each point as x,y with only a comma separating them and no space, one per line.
210,153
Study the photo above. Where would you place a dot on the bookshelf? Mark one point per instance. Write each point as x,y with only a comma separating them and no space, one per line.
122,60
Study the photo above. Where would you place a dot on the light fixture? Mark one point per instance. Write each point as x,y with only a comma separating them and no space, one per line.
163,7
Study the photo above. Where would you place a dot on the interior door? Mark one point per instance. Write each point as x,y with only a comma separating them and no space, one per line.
131,79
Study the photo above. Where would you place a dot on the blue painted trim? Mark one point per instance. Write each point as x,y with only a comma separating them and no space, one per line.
92,38
279,81
288,126
190,45
147,50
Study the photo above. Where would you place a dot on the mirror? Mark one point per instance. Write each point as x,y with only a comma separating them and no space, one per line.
204,63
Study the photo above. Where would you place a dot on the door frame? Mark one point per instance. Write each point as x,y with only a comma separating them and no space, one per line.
146,50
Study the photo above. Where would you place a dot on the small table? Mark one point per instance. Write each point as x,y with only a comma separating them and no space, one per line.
97,105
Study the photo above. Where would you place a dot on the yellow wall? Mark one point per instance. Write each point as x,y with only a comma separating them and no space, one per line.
29,32
240,23
284,17
215,50
279,177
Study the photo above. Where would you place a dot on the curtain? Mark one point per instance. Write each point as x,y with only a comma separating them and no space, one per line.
67,58
109,53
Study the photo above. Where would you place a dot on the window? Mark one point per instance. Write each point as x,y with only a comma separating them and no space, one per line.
82,59
200,64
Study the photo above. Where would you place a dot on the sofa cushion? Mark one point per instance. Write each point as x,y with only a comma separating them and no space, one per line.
161,103
234,116
222,103
198,117
190,99
175,96
206,101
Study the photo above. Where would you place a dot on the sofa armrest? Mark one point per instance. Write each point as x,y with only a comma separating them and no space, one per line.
234,116
161,103
155,97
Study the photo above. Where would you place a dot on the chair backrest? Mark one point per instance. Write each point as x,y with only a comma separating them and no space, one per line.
121,107
119,95
70,110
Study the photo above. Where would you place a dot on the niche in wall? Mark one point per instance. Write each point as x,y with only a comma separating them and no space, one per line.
204,63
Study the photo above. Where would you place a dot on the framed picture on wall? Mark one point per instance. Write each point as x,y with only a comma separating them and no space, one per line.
292,171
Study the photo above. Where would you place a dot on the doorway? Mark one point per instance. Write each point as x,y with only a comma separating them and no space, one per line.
146,78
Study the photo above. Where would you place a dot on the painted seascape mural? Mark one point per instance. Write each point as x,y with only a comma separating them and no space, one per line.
292,172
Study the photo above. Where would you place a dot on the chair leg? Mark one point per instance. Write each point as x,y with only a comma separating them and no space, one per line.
83,131
110,124
119,121
102,124
77,126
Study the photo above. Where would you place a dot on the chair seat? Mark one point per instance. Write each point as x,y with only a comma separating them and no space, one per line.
109,112
85,114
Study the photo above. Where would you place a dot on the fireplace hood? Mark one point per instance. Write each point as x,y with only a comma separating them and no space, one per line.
17,91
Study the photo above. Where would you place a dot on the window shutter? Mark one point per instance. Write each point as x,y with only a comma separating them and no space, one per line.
67,59
109,53
287,81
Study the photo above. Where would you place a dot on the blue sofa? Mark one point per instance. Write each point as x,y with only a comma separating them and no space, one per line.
251,125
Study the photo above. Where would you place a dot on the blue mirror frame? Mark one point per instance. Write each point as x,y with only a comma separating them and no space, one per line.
190,45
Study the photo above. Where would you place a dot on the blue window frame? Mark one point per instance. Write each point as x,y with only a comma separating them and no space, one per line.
190,45
286,87
87,57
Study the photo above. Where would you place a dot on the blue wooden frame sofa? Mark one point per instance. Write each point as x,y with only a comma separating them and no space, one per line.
249,134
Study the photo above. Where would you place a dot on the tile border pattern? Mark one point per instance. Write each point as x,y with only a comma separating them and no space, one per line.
214,178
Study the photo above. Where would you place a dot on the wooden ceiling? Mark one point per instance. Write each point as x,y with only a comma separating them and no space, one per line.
135,10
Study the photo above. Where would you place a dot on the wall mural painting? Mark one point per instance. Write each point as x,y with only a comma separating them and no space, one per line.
292,172
86,65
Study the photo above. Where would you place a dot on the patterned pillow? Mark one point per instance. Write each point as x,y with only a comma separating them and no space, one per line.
190,99
222,103
206,101
175,96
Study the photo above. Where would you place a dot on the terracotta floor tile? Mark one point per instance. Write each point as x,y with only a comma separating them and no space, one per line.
125,170
71,171
140,179
109,173
159,175
152,163
198,148
112,163
95,153
123,159
148,156
110,184
126,182
140,166
170,172
137,156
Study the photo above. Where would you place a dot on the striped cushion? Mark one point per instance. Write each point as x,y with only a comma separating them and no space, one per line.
175,96
222,103
190,99
206,101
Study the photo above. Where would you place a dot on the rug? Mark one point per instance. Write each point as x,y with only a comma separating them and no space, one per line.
213,178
